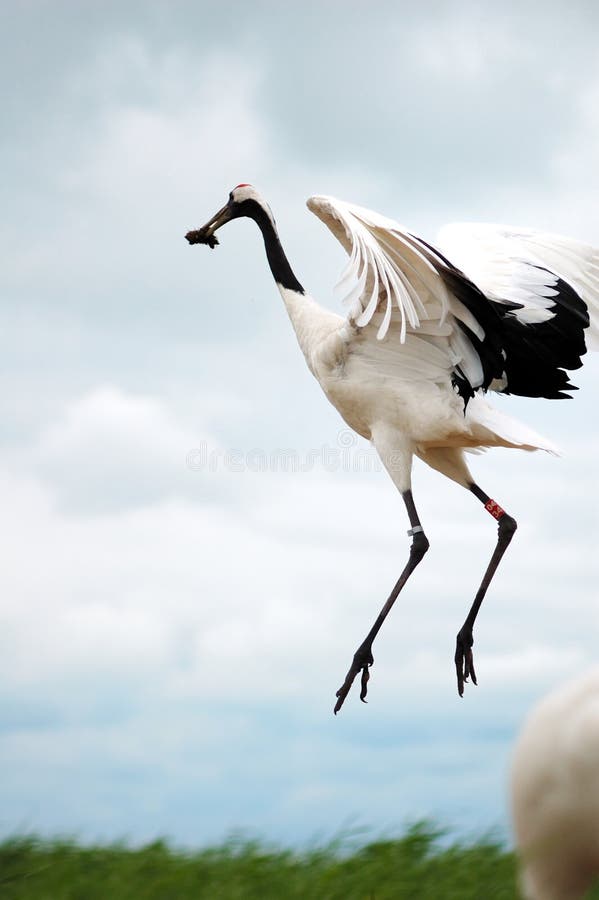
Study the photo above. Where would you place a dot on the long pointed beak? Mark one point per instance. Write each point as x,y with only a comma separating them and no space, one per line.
205,234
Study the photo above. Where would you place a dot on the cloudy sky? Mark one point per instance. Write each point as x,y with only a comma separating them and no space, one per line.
193,544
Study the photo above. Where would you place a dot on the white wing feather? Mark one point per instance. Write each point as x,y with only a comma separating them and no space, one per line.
393,283
388,269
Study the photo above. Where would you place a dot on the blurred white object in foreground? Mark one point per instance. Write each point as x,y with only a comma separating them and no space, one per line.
555,792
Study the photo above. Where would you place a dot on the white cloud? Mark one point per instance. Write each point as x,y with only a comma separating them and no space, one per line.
134,180
199,118
112,450
469,46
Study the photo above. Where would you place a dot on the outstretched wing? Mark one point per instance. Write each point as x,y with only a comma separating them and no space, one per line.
402,291
511,308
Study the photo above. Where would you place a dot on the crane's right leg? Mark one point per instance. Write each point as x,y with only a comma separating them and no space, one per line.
396,455
363,657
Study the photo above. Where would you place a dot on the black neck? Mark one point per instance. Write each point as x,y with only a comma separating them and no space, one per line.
278,262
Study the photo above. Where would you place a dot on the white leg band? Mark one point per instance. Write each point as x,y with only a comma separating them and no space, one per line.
415,530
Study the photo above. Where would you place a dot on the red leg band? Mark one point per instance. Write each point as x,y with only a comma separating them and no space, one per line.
494,508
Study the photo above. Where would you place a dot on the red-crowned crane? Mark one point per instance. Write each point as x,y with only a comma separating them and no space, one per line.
555,792
427,334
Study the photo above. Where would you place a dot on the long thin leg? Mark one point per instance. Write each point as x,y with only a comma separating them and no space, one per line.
363,657
506,527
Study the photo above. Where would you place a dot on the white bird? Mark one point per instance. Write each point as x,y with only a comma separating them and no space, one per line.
424,339
555,792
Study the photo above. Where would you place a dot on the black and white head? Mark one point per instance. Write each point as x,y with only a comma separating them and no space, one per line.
244,201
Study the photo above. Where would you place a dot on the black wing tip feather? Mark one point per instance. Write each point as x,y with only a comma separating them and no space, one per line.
537,354
530,357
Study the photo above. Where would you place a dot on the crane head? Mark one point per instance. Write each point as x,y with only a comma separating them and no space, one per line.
244,200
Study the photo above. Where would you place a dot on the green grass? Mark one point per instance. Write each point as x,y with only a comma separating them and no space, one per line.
415,865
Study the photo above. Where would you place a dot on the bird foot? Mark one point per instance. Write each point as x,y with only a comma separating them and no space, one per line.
464,661
362,661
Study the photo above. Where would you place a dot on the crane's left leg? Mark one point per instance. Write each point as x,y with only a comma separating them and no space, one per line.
506,526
